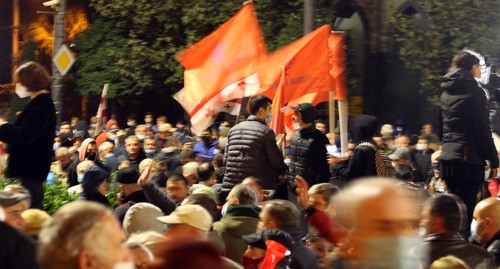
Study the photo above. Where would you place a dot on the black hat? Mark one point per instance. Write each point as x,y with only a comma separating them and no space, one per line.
259,239
127,176
8,198
307,110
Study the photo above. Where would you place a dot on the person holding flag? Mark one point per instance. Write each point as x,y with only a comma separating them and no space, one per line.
251,148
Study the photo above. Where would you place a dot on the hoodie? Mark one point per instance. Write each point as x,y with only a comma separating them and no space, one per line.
93,177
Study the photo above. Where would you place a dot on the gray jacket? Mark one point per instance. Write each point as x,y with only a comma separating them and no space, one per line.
252,151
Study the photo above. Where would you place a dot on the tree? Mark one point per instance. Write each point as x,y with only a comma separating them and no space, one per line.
428,49
132,44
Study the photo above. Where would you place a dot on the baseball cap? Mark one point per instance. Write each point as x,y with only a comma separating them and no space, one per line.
8,198
166,127
400,153
127,176
193,215
190,168
307,110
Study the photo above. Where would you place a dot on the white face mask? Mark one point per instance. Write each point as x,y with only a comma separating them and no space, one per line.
487,175
473,230
297,126
22,91
56,146
141,137
108,155
124,265
130,124
148,120
421,146
389,252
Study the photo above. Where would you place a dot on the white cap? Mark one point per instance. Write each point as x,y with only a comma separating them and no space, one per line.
193,215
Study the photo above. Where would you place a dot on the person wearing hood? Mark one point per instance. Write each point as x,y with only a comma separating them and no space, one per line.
95,185
467,142
87,151
362,162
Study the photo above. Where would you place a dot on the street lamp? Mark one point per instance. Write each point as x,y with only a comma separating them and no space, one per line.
57,80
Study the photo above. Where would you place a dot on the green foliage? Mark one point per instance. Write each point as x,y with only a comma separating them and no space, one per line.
100,49
132,44
7,181
452,26
56,195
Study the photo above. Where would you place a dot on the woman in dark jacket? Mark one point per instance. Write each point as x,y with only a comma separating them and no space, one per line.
95,185
467,141
31,137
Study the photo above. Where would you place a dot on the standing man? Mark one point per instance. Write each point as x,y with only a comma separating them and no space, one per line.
467,141
251,148
308,147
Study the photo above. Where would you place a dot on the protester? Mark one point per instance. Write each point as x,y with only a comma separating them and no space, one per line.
30,138
14,204
240,218
16,250
443,216
308,147
251,148
487,226
467,141
81,235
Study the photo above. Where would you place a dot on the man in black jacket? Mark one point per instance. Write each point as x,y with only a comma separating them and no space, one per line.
251,148
442,217
308,147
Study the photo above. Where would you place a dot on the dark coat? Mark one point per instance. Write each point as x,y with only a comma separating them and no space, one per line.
252,151
308,150
127,202
302,257
92,178
361,163
440,245
30,139
466,127
493,248
16,250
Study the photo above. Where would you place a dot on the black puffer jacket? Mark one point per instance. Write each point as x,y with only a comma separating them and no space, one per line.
252,151
466,129
308,150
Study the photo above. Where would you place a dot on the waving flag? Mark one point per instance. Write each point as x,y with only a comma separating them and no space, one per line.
228,100
220,63
307,67
278,120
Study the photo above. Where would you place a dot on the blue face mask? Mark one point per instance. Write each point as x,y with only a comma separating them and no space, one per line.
269,118
149,151
80,178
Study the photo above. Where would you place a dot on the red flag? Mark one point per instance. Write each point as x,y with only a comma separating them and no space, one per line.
228,55
278,120
336,42
102,111
306,64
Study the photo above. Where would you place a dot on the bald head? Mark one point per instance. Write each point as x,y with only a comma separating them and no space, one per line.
487,217
378,207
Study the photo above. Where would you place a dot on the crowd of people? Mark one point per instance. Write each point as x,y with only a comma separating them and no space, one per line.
233,197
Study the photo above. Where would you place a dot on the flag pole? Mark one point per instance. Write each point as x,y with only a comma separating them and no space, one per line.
331,115
343,113
102,106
